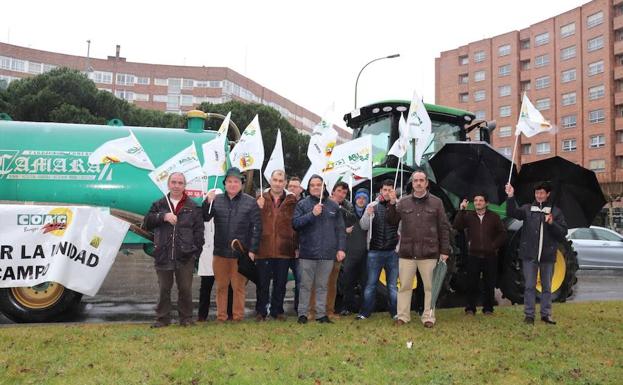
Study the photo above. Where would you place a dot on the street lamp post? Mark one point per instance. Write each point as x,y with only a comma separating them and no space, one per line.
367,64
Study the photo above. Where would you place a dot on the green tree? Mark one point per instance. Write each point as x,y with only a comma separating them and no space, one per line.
294,143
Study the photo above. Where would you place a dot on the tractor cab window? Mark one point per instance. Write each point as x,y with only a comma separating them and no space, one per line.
379,129
444,133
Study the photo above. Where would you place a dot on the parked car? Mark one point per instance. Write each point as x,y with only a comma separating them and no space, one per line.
597,247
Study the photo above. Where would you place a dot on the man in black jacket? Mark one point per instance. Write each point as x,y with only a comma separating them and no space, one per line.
543,228
236,216
178,238
382,252
322,240
485,236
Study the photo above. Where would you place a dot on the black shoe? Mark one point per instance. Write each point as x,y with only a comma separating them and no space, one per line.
324,320
548,320
529,320
345,313
302,320
470,312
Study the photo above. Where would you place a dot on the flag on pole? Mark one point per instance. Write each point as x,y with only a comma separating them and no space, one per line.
400,146
276,158
225,125
248,154
126,149
214,156
186,162
531,121
321,144
350,158
419,126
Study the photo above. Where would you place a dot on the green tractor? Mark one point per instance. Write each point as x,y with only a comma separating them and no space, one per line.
380,120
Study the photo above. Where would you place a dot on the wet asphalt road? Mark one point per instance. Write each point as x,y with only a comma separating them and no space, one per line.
130,290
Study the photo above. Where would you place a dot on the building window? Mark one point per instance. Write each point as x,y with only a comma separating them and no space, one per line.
141,97
161,82
188,84
504,70
595,19
568,75
524,44
543,104
568,99
125,95
187,100
144,81
504,90
542,82
567,30
160,98
596,92
526,149
126,79
479,95
524,65
567,53
480,114
525,86
463,97
595,43
569,121
506,151
597,165
597,116
463,78
505,111
479,76
463,60
504,50
541,39
541,61
597,141
505,131
543,148
619,161
35,68
479,56
569,145
101,77
619,136
596,68
215,84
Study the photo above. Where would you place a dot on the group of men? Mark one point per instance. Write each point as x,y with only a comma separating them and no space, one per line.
314,235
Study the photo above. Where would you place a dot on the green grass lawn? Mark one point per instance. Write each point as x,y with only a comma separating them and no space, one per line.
586,347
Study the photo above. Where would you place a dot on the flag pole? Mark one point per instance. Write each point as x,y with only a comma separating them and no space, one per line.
510,173
401,175
397,171
215,180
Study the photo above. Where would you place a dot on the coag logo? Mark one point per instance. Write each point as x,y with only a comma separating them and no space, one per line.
54,222
246,161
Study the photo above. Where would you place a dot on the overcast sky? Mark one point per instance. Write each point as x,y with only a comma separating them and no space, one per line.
310,52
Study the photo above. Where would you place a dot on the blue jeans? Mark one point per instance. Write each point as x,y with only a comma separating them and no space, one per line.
277,270
377,260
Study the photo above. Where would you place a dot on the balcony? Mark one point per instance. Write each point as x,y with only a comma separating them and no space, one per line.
618,72
616,2
524,54
524,75
618,124
618,47
617,22
618,149
618,98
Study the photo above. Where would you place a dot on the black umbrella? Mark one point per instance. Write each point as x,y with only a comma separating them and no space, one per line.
246,266
575,189
466,168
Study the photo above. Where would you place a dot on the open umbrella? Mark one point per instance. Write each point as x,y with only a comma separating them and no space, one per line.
575,189
439,274
246,266
466,168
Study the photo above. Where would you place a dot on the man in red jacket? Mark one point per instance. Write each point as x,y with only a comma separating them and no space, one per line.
485,235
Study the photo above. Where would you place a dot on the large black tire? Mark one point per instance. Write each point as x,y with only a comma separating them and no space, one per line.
47,302
511,281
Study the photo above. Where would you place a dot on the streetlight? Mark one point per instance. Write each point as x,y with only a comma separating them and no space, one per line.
364,67
89,68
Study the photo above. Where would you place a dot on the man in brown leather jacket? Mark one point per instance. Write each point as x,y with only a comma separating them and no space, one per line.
424,239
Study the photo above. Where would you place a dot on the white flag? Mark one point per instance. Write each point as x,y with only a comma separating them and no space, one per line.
126,149
276,158
248,154
531,122
321,142
225,125
354,157
214,156
186,162
400,146
420,126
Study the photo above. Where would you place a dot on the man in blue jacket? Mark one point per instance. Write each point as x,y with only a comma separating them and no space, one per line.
543,228
322,240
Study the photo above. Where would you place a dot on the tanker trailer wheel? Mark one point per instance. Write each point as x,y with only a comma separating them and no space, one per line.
42,303
511,281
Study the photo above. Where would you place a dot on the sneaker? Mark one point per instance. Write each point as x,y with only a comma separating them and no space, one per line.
360,317
302,320
324,320
395,318
529,320
548,320
428,324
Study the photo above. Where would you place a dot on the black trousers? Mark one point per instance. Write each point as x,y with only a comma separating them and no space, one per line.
488,267
354,275
205,292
